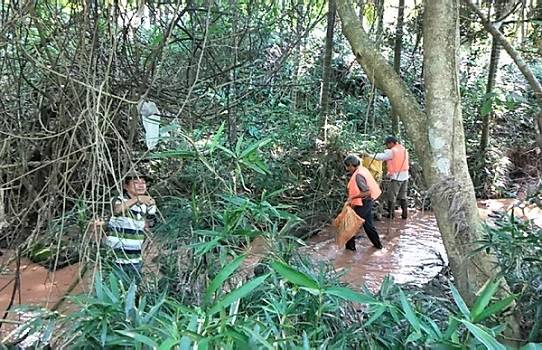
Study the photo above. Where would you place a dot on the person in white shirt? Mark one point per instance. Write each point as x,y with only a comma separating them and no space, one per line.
396,157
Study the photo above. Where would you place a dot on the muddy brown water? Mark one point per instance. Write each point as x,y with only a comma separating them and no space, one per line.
413,253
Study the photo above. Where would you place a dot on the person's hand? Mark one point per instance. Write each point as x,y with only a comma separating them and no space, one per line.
147,200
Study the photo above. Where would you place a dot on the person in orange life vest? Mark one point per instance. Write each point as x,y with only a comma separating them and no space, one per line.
396,157
363,190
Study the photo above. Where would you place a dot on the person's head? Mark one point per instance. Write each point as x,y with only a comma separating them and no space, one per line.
135,184
351,163
390,141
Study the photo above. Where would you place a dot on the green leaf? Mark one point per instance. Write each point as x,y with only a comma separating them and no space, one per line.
306,344
296,277
350,295
241,339
413,337
487,106
222,276
237,294
532,346
453,323
216,138
256,336
139,338
98,286
129,303
487,292
460,302
409,312
255,167
247,151
238,145
168,344
484,337
495,309
434,331
376,315
227,151
186,341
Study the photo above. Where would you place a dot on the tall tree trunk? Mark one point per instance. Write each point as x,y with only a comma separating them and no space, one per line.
437,135
491,77
328,51
397,58
518,60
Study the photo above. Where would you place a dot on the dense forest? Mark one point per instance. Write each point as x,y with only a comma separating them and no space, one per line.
240,114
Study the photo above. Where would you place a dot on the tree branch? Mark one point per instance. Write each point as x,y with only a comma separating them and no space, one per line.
516,57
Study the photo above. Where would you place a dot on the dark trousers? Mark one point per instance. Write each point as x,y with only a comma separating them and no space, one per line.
365,211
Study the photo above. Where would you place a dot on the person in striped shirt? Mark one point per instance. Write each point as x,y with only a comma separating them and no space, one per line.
134,212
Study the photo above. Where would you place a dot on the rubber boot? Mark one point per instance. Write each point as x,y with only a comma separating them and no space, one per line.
404,208
391,210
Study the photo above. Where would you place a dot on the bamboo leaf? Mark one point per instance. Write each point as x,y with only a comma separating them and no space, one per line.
409,312
350,295
129,303
453,323
222,276
168,344
296,277
486,106
139,338
460,302
227,151
494,309
376,315
237,294
247,151
186,341
216,138
484,337
487,292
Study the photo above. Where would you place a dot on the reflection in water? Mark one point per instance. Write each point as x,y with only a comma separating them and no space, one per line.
413,252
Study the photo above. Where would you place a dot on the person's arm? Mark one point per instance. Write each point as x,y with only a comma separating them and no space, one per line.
121,207
386,155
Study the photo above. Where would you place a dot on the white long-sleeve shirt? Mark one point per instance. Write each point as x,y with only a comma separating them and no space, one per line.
388,155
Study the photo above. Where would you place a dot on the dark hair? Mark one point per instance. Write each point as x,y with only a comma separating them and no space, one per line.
352,159
390,139
134,175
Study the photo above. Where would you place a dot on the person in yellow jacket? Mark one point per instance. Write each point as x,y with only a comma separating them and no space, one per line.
363,190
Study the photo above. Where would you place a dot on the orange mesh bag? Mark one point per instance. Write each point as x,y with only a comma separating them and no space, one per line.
347,224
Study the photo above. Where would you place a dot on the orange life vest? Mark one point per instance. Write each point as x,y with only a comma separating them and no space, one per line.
399,162
353,189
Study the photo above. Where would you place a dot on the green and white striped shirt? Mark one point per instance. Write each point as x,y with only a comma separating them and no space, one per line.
126,232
